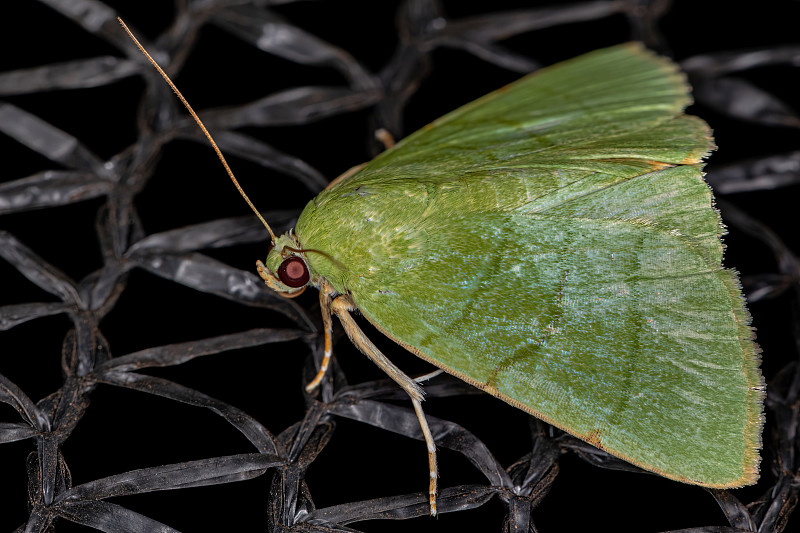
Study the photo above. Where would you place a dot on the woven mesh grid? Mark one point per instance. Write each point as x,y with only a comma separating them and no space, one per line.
128,277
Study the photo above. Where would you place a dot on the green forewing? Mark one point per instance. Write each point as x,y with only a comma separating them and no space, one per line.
554,244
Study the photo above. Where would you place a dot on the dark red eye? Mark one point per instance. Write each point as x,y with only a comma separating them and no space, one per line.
293,272
270,246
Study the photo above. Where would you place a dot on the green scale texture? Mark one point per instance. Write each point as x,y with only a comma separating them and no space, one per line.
554,244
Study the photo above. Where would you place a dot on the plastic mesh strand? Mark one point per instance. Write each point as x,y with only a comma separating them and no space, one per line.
149,381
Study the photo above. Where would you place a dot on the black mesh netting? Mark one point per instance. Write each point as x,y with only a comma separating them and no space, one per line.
150,381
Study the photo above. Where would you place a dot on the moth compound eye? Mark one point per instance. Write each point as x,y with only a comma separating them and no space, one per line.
293,272
270,246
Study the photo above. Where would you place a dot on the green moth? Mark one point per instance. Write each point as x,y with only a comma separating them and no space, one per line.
553,244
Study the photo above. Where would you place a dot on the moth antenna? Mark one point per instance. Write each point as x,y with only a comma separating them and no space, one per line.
320,252
202,127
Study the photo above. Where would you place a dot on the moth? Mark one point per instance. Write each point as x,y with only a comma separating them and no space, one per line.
555,245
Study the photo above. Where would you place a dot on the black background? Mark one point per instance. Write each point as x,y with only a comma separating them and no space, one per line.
124,430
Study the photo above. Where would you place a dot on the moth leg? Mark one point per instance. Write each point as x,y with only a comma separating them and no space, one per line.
385,138
341,307
388,142
433,469
325,292
344,175
430,375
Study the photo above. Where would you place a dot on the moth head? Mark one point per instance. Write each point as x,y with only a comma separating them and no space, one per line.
285,271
